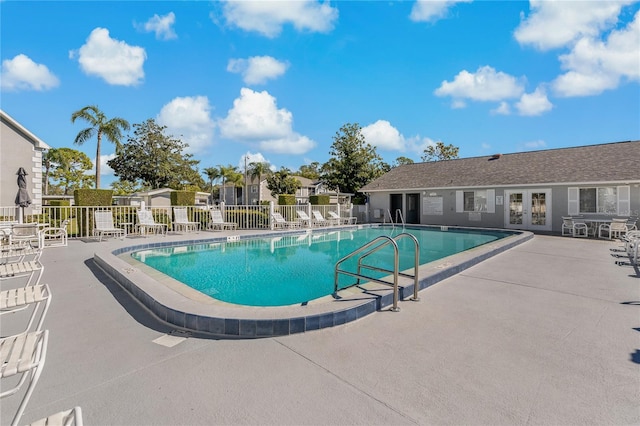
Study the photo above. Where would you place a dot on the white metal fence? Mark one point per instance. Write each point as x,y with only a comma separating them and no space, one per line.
81,220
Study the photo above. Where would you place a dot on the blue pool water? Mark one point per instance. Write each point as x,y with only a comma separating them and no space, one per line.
293,269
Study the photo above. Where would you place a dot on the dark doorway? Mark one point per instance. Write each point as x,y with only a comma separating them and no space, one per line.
396,204
413,208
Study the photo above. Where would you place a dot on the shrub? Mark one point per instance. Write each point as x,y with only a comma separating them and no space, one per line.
183,198
320,200
286,200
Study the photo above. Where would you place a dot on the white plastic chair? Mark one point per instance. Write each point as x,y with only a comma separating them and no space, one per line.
54,237
28,268
104,225
182,221
615,229
218,222
22,357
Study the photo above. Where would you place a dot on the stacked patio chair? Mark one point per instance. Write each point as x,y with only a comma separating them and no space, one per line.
630,249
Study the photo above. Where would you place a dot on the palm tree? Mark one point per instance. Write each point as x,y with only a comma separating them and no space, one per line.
226,173
213,173
237,180
99,126
257,170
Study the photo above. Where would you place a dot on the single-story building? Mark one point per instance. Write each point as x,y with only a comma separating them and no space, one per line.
524,190
20,148
159,198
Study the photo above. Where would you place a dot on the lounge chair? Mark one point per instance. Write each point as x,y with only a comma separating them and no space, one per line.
24,355
18,299
182,221
104,225
147,223
71,417
319,220
351,220
24,268
218,222
304,218
280,222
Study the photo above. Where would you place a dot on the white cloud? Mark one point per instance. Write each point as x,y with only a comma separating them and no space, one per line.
432,10
105,170
383,135
534,103
162,26
594,66
255,118
268,17
21,73
257,69
484,85
188,118
553,24
502,109
254,158
113,60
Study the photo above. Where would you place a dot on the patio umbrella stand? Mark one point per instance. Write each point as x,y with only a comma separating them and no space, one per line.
23,199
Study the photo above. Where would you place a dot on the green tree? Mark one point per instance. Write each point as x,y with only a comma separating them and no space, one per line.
281,182
353,162
68,169
401,161
228,174
158,160
125,187
213,174
440,151
259,169
99,126
310,171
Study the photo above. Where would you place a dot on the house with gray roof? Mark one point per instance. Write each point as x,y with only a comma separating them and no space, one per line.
524,190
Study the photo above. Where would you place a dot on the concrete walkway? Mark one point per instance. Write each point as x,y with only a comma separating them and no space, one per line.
546,333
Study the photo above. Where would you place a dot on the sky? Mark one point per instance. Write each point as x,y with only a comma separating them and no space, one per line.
275,81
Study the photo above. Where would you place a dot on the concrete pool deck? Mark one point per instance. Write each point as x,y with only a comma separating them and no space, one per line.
544,333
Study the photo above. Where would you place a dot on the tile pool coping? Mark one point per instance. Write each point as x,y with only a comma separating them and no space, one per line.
185,308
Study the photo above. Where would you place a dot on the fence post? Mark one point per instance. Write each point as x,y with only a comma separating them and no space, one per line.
271,210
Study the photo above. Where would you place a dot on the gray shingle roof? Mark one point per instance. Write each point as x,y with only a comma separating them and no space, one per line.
610,162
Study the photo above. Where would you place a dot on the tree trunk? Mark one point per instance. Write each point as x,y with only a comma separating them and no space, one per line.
98,160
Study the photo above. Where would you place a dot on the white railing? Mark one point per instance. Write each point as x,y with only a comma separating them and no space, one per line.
247,217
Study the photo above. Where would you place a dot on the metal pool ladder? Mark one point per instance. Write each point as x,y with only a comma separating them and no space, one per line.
399,218
372,247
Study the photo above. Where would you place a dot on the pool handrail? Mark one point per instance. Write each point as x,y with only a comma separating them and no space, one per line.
381,241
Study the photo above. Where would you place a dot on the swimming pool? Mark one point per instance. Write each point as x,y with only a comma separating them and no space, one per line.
296,268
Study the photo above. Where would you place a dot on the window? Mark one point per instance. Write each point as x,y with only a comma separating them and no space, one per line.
475,201
254,189
613,200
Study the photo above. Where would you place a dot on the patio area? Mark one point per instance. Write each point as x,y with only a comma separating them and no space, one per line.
545,333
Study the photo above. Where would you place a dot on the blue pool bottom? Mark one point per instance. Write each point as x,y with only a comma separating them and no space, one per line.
249,322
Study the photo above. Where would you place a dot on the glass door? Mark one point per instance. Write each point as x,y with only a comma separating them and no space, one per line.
528,209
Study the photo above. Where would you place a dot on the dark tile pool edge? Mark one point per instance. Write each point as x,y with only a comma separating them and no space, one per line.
177,311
